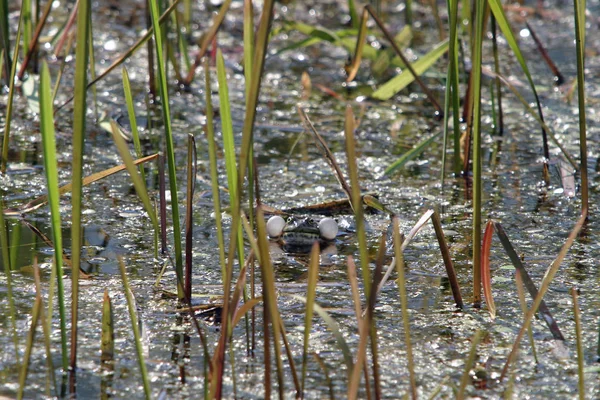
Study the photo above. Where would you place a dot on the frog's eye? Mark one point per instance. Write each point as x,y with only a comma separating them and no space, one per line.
328,228
275,226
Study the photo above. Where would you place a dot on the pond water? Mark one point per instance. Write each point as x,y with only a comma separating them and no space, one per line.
537,219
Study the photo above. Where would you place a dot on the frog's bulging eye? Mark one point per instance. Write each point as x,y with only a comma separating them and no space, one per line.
275,226
328,228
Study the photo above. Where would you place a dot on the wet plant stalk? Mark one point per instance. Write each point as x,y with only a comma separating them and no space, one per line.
135,329
313,273
579,6
79,116
189,222
50,168
579,342
35,315
404,305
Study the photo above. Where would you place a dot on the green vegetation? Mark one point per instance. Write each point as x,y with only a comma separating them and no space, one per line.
386,71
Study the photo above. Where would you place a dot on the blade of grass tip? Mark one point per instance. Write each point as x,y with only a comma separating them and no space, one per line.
35,315
411,154
134,327
79,117
361,353
107,344
208,38
138,183
469,362
214,173
498,11
45,328
533,292
439,233
270,295
356,200
548,277
135,134
360,44
580,356
189,222
9,103
34,40
523,304
170,153
311,288
49,148
486,276
404,305
579,6
476,131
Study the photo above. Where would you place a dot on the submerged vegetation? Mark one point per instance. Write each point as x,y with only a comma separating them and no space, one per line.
328,110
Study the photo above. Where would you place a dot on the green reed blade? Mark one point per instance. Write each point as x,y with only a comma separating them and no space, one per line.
92,64
7,270
9,103
35,315
498,11
311,289
138,183
333,327
79,123
453,50
399,82
360,45
579,342
579,6
361,351
5,39
214,173
134,327
135,134
32,52
170,151
470,361
357,204
476,132
411,154
523,304
50,168
107,343
136,46
401,281
27,17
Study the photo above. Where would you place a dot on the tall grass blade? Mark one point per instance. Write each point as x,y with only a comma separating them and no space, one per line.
214,173
9,103
439,233
5,39
523,304
35,316
49,148
357,205
579,6
360,45
476,131
411,154
453,81
138,183
30,54
548,277
208,38
135,134
107,344
469,362
311,288
404,304
486,276
189,222
79,117
170,151
579,342
498,11
27,17
134,327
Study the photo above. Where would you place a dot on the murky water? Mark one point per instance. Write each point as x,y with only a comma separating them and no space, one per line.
536,220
